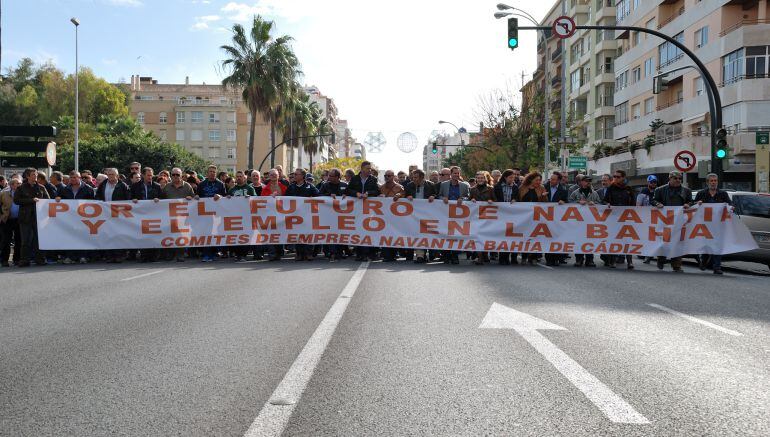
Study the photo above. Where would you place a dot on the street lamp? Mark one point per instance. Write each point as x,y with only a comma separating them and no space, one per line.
77,95
460,130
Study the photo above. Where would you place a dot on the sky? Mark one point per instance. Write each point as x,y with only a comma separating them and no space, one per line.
391,66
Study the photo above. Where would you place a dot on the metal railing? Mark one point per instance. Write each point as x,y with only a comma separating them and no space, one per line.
669,104
605,101
670,61
671,18
745,76
742,23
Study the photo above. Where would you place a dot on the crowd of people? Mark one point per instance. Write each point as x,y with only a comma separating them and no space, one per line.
19,194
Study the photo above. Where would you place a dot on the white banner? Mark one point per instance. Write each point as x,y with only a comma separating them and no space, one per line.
383,222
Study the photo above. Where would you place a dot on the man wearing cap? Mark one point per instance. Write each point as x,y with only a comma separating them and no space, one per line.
672,194
646,193
585,195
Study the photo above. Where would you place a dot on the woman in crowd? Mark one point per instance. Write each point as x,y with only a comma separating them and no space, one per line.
532,190
507,191
482,191
274,187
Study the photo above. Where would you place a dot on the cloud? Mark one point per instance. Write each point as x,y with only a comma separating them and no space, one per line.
288,10
202,23
131,3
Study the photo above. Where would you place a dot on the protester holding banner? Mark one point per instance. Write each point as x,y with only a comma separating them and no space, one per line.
454,189
712,194
419,188
483,191
361,186
334,187
672,194
532,190
26,196
584,195
507,191
620,194
300,187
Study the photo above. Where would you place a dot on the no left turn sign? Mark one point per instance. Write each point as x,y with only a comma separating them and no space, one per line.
564,27
685,161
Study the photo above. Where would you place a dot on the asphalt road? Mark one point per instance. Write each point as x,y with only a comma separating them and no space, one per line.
199,349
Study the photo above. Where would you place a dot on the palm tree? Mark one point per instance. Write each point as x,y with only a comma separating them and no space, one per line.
320,126
265,68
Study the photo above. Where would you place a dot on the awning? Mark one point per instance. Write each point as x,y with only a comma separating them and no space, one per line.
695,118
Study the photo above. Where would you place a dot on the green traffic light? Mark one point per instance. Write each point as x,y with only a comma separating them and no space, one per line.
721,153
513,42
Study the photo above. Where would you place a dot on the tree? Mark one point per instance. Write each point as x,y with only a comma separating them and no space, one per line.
116,142
339,163
265,69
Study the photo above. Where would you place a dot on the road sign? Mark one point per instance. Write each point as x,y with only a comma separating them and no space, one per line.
578,162
763,137
564,27
685,161
50,154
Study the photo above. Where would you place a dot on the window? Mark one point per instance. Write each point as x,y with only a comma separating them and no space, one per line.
732,66
698,86
163,135
635,111
621,81
180,134
180,117
649,105
648,68
231,116
163,119
669,53
621,113
622,9
140,117
196,135
214,135
680,96
197,117
213,152
144,98
636,74
574,79
757,61
231,135
702,36
231,153
213,117
635,38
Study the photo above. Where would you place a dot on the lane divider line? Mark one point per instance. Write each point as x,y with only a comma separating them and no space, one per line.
696,320
275,414
144,275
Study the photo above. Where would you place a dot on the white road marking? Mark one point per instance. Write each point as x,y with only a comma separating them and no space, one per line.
275,414
613,406
544,266
144,275
696,320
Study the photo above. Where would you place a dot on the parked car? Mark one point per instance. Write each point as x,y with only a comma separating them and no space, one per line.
753,209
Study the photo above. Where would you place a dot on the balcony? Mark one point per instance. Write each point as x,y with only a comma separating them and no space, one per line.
670,61
668,104
605,101
556,54
742,23
206,102
744,77
556,82
541,46
673,17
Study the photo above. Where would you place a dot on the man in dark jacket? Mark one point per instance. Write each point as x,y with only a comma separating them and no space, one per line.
26,196
146,189
419,188
507,191
42,180
333,187
557,193
113,190
302,188
672,194
56,181
211,187
77,190
363,185
712,194
618,193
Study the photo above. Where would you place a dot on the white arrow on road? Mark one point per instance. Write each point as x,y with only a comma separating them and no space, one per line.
612,405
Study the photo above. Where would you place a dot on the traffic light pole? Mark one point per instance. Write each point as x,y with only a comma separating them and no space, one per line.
716,110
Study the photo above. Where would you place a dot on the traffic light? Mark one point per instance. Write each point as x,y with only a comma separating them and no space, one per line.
513,33
721,143
435,148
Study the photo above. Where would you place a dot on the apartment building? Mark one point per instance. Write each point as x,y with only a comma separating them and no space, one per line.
732,38
547,78
204,119
327,150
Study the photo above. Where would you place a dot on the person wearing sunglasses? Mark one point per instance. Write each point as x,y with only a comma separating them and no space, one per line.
672,194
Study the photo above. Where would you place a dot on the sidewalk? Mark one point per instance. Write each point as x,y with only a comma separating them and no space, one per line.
744,267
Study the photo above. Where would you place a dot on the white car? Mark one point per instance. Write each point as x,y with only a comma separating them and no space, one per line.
753,209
